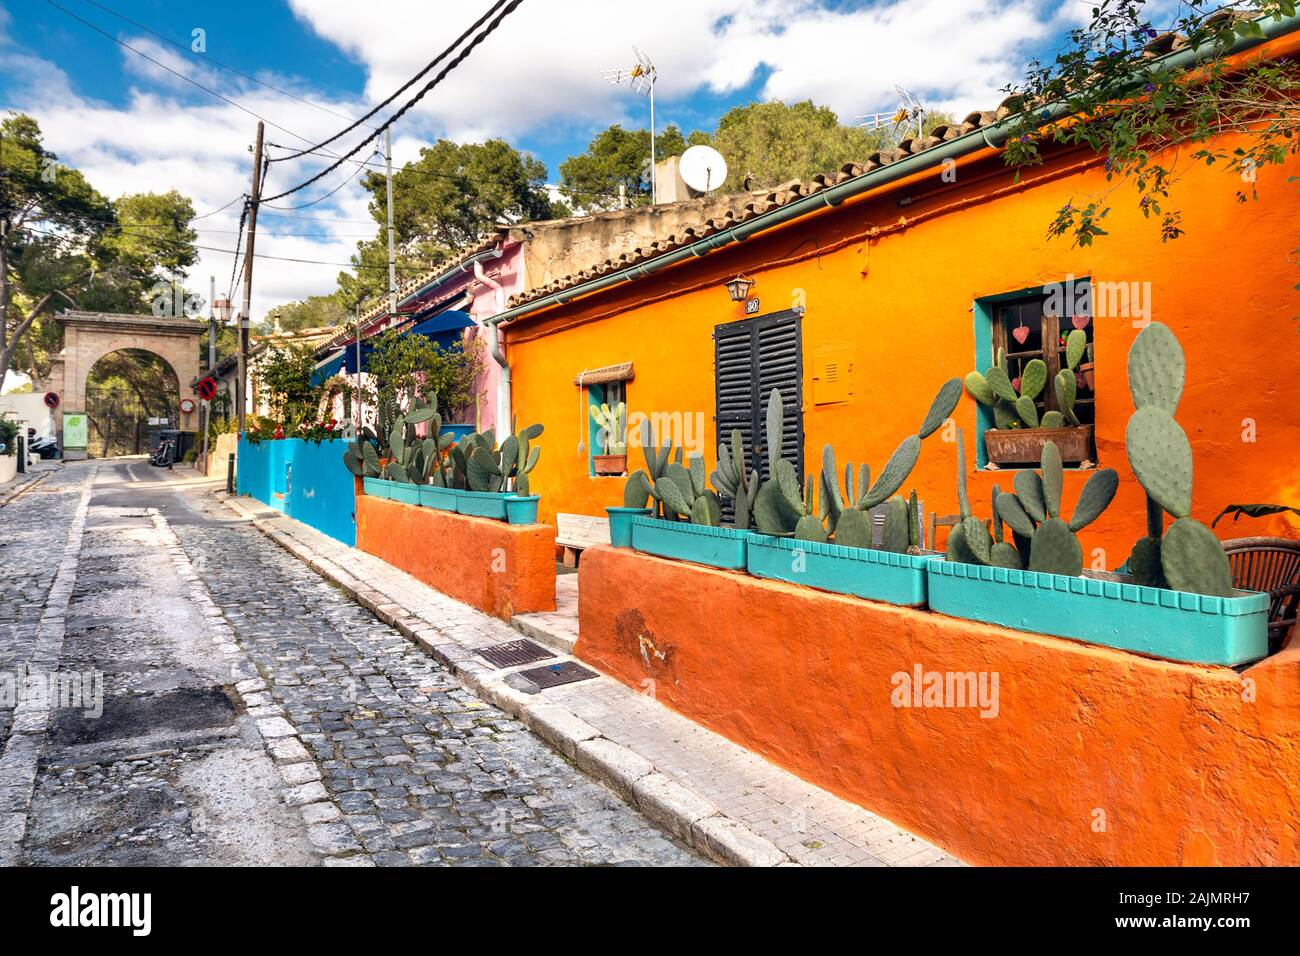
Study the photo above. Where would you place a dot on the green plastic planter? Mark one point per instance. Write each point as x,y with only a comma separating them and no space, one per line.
716,547
522,509
441,499
376,487
860,572
404,492
620,525
1174,625
483,504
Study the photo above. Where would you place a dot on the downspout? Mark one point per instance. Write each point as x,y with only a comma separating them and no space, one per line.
503,386
990,137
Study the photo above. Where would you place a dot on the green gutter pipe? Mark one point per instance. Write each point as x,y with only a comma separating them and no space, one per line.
834,195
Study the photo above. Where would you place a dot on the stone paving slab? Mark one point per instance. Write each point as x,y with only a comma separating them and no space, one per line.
723,800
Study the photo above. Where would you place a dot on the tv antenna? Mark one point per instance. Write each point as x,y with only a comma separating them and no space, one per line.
910,109
703,168
641,78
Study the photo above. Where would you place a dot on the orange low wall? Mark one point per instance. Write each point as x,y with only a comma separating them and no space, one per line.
1094,756
499,568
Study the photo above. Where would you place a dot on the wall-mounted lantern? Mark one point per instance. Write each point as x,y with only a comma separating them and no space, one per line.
738,288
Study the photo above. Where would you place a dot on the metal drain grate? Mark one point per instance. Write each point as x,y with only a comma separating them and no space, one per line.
553,675
513,653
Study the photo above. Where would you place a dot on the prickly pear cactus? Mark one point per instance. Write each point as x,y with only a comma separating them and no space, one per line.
682,492
846,514
732,479
1188,557
1033,513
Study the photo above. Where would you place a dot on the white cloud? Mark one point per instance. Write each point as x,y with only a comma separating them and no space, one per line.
539,75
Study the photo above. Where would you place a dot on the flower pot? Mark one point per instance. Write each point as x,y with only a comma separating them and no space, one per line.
405,492
443,499
716,547
1024,446
1085,373
1106,609
860,572
8,467
376,487
609,464
620,525
483,504
522,509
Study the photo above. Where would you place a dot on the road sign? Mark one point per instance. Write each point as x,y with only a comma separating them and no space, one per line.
187,405
208,389
51,399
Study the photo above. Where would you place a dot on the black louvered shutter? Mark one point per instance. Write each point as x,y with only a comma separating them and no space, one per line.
750,358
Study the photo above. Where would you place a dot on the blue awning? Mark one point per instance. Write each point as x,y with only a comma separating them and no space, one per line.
445,329
327,369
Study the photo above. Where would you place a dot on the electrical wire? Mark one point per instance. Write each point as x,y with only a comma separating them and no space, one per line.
405,86
456,61
313,202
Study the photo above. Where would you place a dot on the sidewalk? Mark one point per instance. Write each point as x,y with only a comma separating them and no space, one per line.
722,799
22,482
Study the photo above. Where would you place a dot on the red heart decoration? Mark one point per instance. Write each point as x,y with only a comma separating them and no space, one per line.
1080,321
1015,383
1020,333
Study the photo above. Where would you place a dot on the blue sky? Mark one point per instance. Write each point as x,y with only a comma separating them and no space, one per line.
537,82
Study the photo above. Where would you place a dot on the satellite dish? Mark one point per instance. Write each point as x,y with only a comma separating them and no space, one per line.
703,168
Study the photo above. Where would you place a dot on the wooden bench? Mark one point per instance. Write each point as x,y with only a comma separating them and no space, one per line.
575,532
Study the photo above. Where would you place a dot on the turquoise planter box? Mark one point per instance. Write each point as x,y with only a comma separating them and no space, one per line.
860,572
1173,625
522,509
717,547
620,524
405,492
440,499
483,504
457,431
376,487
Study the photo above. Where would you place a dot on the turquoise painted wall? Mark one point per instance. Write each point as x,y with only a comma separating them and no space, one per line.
306,480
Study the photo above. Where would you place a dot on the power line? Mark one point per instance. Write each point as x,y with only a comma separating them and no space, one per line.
355,174
456,61
217,63
405,86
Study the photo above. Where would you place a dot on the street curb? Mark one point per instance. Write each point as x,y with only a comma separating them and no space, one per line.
25,486
688,816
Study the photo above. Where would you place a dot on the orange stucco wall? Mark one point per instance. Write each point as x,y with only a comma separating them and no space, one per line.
1093,756
902,305
499,568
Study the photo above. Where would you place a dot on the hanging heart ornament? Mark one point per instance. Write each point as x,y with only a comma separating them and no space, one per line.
1020,333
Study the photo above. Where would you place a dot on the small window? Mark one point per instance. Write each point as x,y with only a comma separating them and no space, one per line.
1027,328
605,393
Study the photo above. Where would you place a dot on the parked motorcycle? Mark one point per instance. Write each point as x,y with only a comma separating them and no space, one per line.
164,455
45,448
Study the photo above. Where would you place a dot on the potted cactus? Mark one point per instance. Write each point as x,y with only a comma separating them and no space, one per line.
1175,600
612,435
1019,434
690,528
485,475
831,546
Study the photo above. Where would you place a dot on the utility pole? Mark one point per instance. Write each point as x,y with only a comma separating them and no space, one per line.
205,420
253,200
392,255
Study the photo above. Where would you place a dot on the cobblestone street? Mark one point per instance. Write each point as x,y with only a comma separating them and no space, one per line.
252,713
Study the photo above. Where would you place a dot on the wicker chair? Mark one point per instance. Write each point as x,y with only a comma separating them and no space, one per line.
1272,565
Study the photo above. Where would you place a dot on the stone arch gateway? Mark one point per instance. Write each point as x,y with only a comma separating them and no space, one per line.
89,336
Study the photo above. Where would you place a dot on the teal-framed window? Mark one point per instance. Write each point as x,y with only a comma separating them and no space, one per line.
1046,313
603,393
